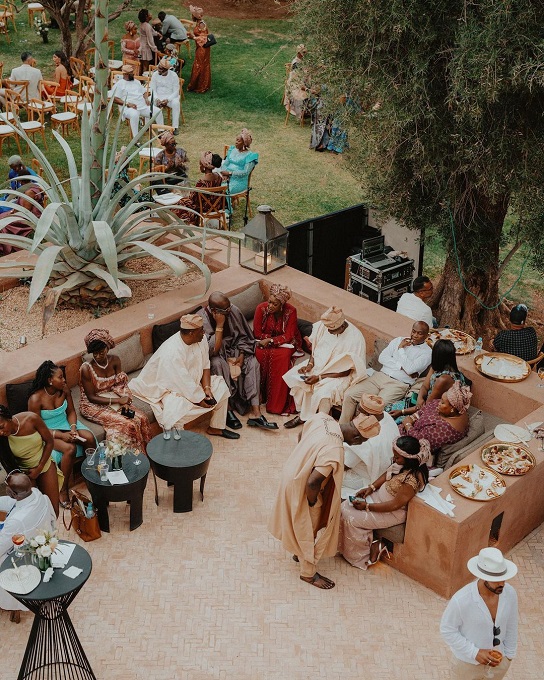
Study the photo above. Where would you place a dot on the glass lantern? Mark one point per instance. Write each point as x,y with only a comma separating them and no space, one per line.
265,247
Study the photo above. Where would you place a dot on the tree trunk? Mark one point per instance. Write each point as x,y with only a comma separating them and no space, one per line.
100,102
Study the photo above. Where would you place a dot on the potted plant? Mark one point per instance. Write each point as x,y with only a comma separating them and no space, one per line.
42,27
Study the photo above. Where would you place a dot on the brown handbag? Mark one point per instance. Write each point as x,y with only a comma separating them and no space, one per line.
86,527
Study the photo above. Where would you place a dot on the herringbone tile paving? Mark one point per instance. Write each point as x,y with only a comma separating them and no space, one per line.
210,595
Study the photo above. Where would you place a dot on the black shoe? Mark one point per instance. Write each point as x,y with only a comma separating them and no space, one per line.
176,131
232,421
262,422
227,434
294,422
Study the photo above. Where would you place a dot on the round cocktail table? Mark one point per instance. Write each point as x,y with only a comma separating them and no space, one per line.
103,493
53,649
180,462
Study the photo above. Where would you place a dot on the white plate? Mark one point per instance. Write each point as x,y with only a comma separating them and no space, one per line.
533,426
512,434
22,581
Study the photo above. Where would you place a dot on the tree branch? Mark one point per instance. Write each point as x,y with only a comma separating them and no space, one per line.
509,256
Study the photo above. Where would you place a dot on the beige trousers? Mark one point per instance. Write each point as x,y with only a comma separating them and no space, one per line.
461,670
218,413
308,569
380,384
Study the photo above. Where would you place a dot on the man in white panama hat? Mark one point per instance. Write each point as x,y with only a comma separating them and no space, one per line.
480,623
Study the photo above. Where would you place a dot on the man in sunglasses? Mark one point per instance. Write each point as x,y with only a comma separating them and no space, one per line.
28,511
480,623
164,86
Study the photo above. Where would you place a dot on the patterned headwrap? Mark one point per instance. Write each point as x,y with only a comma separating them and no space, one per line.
368,426
100,334
424,454
281,293
206,160
190,322
459,397
333,318
167,137
197,12
130,26
246,136
165,63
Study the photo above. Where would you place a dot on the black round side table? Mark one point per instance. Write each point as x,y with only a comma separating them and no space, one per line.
103,493
53,649
180,462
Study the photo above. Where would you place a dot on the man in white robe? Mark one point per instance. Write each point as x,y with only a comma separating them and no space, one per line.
177,383
338,360
365,462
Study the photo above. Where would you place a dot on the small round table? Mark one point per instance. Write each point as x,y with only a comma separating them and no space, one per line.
180,462
103,493
53,648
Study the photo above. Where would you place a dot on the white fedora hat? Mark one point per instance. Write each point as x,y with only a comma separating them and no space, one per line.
491,565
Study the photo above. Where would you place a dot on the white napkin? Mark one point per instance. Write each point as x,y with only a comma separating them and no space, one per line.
117,477
72,572
62,554
431,496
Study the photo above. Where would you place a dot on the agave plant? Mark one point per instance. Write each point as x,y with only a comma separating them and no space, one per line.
83,250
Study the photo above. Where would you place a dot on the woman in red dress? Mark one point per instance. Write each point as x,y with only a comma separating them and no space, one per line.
201,75
275,328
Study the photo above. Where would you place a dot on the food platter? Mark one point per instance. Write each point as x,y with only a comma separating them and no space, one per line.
476,483
464,343
508,459
502,367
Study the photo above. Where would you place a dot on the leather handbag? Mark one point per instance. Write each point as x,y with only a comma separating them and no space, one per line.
210,41
86,528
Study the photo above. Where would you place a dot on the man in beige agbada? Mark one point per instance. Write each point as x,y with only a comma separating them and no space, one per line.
309,495
177,383
338,360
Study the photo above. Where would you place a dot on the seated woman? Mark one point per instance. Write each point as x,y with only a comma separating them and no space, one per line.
171,54
442,376
130,42
519,340
62,76
104,390
31,444
20,226
208,162
172,160
384,503
276,331
238,163
50,399
441,421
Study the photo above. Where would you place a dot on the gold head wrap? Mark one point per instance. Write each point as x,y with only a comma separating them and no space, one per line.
333,318
101,334
190,322
130,26
459,397
197,12
246,136
166,138
368,426
281,293
206,160
372,404
127,68
165,63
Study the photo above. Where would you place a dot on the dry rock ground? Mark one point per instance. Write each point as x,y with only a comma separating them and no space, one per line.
210,595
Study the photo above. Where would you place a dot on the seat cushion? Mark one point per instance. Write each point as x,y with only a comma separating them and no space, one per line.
129,351
162,332
247,300
17,396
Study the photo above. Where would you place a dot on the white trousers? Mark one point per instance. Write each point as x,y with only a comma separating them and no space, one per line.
133,116
175,107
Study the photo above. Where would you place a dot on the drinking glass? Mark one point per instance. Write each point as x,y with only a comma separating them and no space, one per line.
18,545
90,453
540,374
136,453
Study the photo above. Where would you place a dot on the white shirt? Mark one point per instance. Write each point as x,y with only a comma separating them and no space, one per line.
414,308
400,364
164,87
30,73
130,90
467,625
25,517
369,460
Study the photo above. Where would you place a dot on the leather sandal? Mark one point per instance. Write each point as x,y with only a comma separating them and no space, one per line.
294,422
261,422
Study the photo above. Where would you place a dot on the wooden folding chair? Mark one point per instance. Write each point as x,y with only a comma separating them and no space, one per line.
69,117
34,8
213,205
77,66
134,63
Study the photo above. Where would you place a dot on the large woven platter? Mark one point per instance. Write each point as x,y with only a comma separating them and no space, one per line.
476,483
464,343
520,369
508,459
22,580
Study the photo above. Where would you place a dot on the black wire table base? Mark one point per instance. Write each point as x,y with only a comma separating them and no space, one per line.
53,651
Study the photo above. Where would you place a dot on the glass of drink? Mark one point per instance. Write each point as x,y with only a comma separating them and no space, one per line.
540,374
90,453
103,471
18,541
136,453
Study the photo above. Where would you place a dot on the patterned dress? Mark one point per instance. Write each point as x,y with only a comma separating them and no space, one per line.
201,75
433,427
191,201
136,429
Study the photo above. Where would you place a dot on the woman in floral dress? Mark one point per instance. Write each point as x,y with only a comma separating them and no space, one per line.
201,75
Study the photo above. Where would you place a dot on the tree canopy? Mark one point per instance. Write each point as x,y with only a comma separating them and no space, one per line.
448,127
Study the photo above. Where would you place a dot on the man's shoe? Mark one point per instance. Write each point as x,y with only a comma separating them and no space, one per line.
176,131
227,434
262,422
232,421
294,422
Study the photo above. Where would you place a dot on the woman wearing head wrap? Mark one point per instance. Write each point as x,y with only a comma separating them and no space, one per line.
383,504
441,421
172,160
105,392
201,75
276,331
239,163
208,162
130,42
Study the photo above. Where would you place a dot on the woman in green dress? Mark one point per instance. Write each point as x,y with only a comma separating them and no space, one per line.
239,163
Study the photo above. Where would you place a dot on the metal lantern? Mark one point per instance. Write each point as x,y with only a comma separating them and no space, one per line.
265,247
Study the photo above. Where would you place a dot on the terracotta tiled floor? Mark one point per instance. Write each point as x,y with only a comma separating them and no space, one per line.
211,595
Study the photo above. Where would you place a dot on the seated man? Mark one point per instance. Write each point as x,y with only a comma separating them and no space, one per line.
29,511
414,305
131,95
18,169
365,462
177,383
164,86
519,340
338,360
403,361
232,356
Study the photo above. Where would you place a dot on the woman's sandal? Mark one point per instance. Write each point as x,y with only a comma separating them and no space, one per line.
381,550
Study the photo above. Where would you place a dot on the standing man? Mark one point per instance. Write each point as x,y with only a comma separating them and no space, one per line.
232,356
172,28
309,495
165,88
131,93
403,361
414,305
480,623
27,71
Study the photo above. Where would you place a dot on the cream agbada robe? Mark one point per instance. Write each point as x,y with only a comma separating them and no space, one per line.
170,382
320,446
332,354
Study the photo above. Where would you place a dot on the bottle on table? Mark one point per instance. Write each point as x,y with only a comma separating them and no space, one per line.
478,348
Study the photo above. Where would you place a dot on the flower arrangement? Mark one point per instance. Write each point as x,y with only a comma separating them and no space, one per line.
43,545
41,27
116,449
